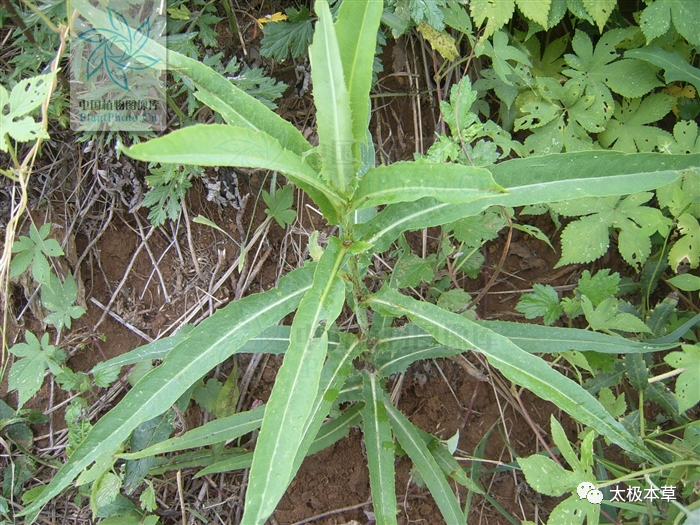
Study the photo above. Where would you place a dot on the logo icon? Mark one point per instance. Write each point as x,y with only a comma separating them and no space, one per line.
587,490
120,51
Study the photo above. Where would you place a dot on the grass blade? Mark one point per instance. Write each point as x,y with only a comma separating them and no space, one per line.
379,445
412,442
296,388
209,344
519,366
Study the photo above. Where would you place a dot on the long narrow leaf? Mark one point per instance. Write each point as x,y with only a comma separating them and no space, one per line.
217,431
335,371
328,434
411,441
537,180
516,364
356,27
410,181
379,445
296,387
551,339
209,344
222,145
332,103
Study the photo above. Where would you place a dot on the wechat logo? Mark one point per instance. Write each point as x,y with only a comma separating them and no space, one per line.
587,490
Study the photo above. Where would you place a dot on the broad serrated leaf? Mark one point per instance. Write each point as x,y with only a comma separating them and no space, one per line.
497,12
544,302
686,139
601,70
687,384
59,298
628,130
655,20
599,286
600,10
288,38
440,41
278,207
27,374
547,477
411,270
636,224
537,10
35,249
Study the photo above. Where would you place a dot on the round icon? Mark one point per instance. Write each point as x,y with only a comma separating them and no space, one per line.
595,496
584,488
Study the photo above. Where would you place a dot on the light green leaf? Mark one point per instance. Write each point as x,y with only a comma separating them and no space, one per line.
223,145
409,181
628,130
411,441
498,13
379,445
296,386
600,10
216,431
655,20
600,70
544,302
547,477
537,10
207,345
356,30
672,62
514,363
637,223
538,339
687,384
551,178
59,298
27,374
25,97
687,248
607,316
332,100
686,282
278,207
599,286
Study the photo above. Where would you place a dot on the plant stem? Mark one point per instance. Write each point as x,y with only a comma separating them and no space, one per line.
651,470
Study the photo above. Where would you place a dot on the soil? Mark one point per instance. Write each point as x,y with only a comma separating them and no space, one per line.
135,291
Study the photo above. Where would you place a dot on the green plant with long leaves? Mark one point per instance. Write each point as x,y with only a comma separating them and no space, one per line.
322,365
